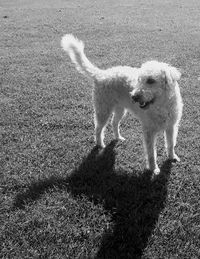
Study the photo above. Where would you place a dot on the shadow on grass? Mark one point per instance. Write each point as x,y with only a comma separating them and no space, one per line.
134,200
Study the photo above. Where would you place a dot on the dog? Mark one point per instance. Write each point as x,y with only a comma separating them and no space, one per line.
151,93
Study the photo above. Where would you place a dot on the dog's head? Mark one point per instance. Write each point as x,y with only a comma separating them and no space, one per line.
156,82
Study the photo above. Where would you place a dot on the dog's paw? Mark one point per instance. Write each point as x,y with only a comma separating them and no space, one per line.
99,143
121,138
174,158
156,171
101,146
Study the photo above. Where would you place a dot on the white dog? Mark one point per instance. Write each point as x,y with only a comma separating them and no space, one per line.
151,93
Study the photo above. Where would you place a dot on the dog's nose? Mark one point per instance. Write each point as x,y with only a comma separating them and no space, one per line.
136,97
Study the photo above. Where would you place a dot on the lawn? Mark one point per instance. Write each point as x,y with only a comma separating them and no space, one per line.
59,196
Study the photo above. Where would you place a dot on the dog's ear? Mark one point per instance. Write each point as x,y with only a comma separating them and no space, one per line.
175,73
172,75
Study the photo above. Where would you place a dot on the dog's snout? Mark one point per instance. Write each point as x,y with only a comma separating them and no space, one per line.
136,97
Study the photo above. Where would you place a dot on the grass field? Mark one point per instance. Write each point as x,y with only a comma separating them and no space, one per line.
61,199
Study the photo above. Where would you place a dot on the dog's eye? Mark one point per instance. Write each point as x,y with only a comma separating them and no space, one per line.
150,81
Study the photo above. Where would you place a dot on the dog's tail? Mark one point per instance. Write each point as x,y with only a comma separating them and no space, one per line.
75,50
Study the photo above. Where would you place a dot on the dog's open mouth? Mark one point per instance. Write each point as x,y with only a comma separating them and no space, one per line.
144,105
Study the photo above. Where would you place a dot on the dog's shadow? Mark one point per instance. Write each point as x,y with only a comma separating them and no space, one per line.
134,200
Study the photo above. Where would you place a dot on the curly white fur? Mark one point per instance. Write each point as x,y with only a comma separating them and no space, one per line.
150,92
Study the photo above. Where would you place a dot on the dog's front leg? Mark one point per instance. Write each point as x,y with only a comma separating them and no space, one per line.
119,112
150,150
170,142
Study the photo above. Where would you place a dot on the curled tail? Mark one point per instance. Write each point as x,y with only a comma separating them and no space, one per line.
75,50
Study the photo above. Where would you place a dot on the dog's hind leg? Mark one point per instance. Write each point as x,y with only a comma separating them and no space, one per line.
117,116
101,119
150,150
170,142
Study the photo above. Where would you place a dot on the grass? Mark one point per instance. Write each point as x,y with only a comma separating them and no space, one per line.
60,197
